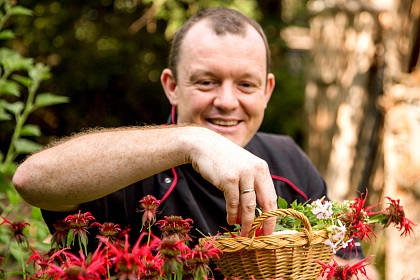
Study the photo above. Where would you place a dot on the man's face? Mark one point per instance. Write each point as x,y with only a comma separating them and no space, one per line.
222,82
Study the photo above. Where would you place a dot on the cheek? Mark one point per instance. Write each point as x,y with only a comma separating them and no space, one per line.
254,107
192,107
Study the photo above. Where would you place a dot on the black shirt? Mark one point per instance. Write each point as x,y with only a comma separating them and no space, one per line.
295,178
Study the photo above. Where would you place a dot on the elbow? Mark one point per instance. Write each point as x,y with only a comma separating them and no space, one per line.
22,182
19,180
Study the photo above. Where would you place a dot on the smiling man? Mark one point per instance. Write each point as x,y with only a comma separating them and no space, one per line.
209,164
222,81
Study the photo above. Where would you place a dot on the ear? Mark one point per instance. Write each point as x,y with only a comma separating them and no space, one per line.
169,86
271,82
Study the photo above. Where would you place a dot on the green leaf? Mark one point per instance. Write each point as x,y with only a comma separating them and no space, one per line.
70,240
15,108
7,34
4,116
282,203
30,130
23,80
21,11
25,146
8,87
40,72
13,61
12,195
48,99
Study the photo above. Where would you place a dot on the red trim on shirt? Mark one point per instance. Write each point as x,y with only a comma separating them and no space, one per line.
290,183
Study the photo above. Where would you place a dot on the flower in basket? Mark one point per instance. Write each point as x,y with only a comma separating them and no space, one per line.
309,228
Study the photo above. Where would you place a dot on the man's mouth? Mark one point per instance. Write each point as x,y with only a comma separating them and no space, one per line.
224,123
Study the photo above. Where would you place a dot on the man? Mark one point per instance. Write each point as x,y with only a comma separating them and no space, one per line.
219,84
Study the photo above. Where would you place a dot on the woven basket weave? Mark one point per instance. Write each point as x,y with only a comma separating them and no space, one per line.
282,256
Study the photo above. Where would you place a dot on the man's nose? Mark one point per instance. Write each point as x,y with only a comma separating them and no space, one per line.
226,98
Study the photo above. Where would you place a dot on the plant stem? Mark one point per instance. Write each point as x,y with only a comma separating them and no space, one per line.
20,121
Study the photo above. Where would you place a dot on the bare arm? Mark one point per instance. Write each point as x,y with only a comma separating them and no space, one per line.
93,165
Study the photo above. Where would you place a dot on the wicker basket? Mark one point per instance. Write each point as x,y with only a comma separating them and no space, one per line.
283,256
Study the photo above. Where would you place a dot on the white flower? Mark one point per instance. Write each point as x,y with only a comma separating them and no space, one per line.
336,241
322,210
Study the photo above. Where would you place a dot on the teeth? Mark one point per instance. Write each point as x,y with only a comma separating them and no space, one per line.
224,123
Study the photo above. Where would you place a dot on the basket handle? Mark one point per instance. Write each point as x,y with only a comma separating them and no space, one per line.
282,213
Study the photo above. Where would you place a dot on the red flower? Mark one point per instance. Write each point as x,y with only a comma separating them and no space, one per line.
344,272
17,230
151,267
171,249
60,234
395,215
149,204
357,218
128,260
175,225
108,230
78,225
197,260
79,267
44,262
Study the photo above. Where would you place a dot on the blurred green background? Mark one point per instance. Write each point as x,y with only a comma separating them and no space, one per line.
107,57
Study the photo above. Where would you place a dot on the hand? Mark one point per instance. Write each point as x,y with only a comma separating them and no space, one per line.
232,169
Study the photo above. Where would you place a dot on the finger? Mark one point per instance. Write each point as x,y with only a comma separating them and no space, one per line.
231,194
248,204
267,199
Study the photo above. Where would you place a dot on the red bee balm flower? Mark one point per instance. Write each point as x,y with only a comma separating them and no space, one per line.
344,272
357,218
175,225
17,230
78,225
108,230
395,215
59,237
197,260
150,205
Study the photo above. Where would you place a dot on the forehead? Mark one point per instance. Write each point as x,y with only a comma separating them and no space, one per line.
202,44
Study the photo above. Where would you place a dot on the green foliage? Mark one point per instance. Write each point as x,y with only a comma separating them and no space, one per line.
20,80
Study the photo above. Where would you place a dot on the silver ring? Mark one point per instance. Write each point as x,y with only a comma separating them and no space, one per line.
247,191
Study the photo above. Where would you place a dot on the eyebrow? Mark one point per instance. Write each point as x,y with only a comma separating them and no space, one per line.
198,72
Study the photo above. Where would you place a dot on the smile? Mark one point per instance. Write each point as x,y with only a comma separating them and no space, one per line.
224,123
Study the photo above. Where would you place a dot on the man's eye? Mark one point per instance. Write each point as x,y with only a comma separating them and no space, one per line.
206,84
247,87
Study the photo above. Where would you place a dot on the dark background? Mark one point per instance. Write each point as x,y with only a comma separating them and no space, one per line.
107,57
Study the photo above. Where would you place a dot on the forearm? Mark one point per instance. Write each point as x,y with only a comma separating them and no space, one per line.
93,165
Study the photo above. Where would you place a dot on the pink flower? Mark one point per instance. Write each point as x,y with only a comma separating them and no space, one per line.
149,204
323,209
